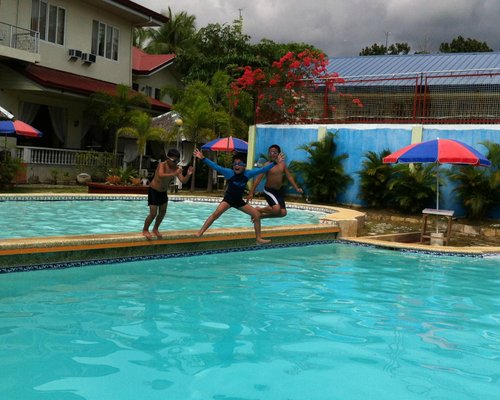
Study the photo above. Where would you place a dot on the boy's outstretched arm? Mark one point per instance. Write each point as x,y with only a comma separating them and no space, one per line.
291,179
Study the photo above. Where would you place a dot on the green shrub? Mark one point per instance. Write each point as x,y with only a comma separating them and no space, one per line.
374,180
478,188
413,187
323,172
9,168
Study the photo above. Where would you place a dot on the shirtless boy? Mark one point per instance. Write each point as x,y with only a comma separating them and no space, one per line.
272,188
157,191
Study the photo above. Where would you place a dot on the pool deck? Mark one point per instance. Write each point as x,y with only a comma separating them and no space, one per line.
36,251
16,254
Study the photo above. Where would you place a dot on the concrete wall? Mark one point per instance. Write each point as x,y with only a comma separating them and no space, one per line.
357,139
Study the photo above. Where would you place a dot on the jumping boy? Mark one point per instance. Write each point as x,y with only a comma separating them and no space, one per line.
237,179
157,191
272,188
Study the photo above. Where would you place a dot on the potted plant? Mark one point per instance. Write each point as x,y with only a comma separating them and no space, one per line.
9,169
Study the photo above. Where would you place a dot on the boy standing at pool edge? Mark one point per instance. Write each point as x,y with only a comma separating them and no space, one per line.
157,191
237,179
272,189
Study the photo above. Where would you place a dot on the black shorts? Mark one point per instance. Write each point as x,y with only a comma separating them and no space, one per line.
274,197
156,198
236,203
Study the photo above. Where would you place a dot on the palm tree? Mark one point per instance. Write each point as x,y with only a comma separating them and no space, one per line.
142,130
140,35
204,109
323,172
175,36
479,188
113,111
413,188
374,180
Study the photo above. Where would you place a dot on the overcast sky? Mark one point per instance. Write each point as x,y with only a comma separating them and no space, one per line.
345,27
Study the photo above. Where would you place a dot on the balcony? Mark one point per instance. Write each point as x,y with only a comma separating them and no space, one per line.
19,43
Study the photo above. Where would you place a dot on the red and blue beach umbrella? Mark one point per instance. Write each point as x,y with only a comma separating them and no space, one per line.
14,127
226,144
440,151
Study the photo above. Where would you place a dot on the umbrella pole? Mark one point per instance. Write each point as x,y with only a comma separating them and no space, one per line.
437,197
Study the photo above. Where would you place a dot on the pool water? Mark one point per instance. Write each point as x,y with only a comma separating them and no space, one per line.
317,322
20,219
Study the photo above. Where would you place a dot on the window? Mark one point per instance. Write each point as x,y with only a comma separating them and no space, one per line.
49,20
105,40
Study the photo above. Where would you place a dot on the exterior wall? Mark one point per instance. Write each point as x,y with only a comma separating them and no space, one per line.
79,17
16,88
13,12
157,81
356,140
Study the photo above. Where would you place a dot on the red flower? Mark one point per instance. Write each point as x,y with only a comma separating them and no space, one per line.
280,102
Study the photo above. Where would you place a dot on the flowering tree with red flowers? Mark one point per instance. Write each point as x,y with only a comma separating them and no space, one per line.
285,90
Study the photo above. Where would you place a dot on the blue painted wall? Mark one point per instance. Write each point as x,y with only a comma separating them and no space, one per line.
356,140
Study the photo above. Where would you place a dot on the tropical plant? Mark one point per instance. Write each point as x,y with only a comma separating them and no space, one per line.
374,180
280,89
478,188
114,111
9,168
122,175
141,129
395,49
221,47
461,45
413,187
206,113
177,36
97,164
323,172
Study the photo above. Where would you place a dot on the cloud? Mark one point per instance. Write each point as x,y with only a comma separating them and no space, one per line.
344,28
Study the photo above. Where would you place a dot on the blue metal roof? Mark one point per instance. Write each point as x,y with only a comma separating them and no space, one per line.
418,64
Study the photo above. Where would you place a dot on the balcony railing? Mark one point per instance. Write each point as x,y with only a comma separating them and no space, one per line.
19,38
47,156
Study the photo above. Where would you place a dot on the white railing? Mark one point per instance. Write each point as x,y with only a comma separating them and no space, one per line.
19,38
47,156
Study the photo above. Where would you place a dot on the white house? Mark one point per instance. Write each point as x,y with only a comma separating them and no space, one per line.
55,53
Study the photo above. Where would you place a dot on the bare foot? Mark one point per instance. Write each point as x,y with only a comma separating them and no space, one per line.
157,234
147,235
263,241
198,234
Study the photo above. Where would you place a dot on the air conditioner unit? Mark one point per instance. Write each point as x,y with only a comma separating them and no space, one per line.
74,54
88,58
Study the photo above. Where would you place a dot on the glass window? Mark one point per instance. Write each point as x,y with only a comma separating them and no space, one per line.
49,20
116,37
95,37
109,38
42,22
61,25
35,14
52,24
105,40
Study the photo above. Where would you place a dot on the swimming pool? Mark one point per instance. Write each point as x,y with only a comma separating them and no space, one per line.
312,322
21,219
